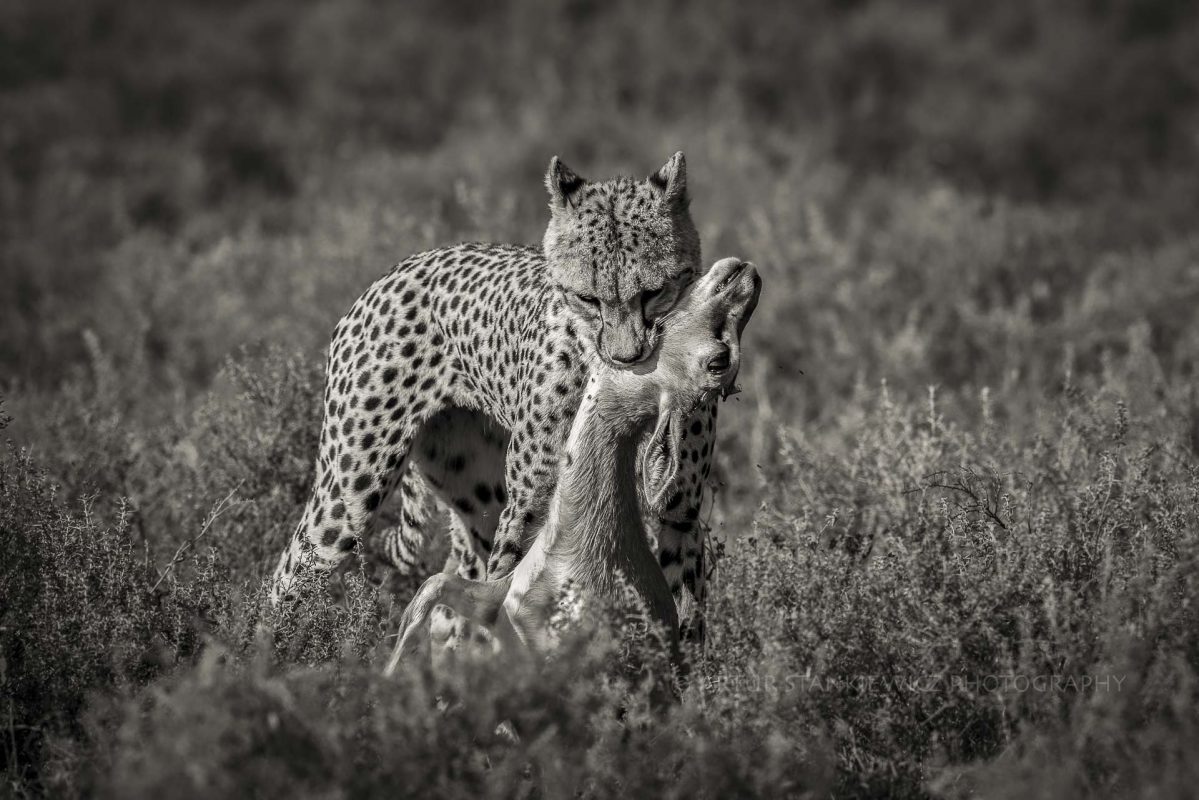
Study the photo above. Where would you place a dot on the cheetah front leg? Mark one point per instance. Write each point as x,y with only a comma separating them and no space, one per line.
680,532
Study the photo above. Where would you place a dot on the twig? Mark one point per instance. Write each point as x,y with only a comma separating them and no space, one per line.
979,505
962,487
223,505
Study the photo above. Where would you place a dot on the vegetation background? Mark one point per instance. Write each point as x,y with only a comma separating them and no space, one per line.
965,464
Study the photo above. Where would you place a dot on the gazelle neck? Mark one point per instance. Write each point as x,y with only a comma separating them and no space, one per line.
595,534
595,511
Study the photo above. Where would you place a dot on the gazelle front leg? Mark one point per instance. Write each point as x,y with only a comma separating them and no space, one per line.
530,601
477,601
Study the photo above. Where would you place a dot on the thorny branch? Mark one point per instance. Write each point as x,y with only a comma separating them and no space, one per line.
966,486
223,505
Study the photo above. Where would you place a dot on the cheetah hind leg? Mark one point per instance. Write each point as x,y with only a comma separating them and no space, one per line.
458,467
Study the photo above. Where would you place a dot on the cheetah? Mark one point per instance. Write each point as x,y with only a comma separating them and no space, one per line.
594,540
468,364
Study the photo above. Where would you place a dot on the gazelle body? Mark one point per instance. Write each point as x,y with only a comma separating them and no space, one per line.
594,540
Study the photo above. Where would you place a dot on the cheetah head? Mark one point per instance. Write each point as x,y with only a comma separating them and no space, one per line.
621,252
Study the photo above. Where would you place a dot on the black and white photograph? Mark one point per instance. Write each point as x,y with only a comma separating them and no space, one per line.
599,399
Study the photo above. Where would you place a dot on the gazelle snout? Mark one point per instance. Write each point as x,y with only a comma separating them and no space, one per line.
707,341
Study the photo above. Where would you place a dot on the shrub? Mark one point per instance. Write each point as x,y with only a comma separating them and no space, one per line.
916,592
78,614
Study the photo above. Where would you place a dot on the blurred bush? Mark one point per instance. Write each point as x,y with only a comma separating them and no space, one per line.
77,617
205,119
576,729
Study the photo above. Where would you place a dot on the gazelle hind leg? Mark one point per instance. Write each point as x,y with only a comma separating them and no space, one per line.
447,631
477,601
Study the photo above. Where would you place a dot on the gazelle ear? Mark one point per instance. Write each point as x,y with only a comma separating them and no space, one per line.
671,180
660,460
563,184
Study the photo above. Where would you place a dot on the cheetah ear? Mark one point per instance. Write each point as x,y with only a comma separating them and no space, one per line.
671,180
563,184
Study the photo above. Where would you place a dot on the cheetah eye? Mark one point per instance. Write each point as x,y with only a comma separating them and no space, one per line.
649,295
587,299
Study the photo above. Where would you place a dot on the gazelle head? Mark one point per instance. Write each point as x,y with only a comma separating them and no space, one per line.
697,355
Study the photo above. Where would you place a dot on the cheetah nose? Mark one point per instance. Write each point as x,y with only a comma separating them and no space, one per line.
719,363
